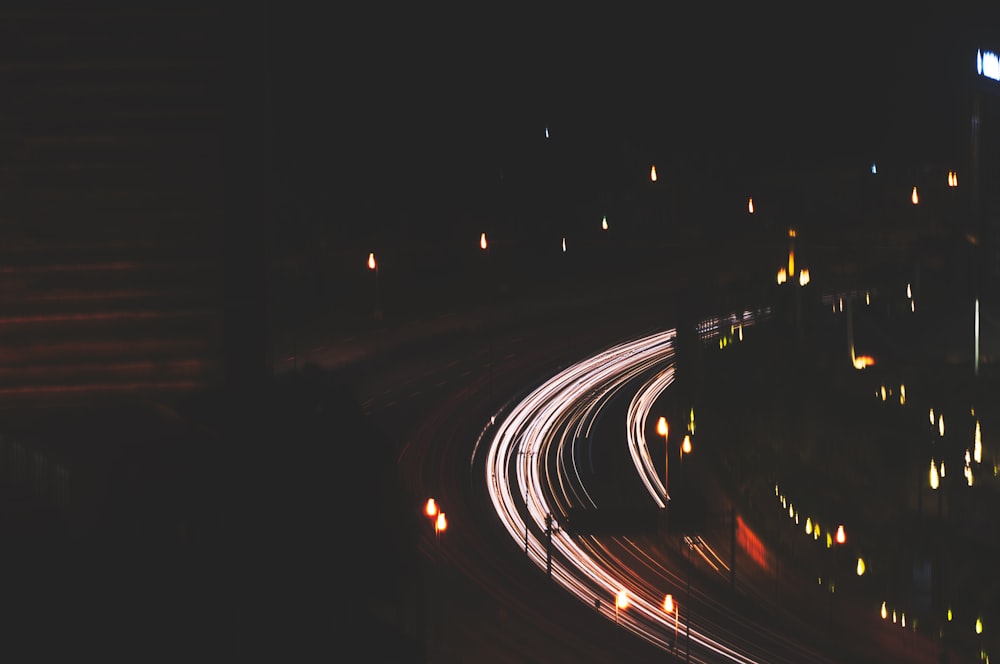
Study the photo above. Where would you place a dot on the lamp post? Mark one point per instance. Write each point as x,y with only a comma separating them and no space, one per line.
670,607
373,265
663,429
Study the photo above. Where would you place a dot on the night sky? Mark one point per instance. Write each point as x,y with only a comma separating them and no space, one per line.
412,116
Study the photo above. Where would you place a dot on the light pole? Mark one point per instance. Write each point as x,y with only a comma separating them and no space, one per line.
670,607
373,265
663,429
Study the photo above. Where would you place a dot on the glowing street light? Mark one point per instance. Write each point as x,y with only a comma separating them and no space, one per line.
652,173
935,479
914,198
373,265
861,567
482,242
621,602
440,524
670,607
431,508
841,537
750,205
663,429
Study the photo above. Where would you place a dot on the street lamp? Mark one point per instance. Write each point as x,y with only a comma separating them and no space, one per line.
373,265
431,508
670,607
440,525
663,429
621,602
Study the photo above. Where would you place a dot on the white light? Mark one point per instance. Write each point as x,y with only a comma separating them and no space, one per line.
988,64
546,132
874,170
564,245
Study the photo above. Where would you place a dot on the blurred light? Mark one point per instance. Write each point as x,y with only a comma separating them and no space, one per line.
861,567
862,361
988,64
686,445
371,261
662,427
564,245
604,222
913,196
902,394
441,524
874,170
884,611
883,393
431,509
668,604
621,600
791,263
978,454
949,614
750,205
829,541
803,277
546,132
942,468
809,525
482,242
941,425
934,479
868,298
909,292
841,537
652,173
979,625
932,416
952,179
782,276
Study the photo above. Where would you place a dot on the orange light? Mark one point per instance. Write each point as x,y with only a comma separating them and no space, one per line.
668,604
371,261
652,173
662,427
686,445
841,537
621,600
441,524
482,241
431,508
750,206
913,197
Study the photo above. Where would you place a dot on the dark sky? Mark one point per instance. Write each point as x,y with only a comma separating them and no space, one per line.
415,104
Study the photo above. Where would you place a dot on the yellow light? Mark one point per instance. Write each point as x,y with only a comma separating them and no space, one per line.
829,541
978,454
652,173
482,241
884,611
791,263
803,277
941,425
861,567
949,614
662,427
668,604
431,508
979,625
371,261
902,394
932,417
883,393
841,537
809,525
750,205
621,600
604,222
782,275
686,445
441,524
791,511
913,196
791,232
934,479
